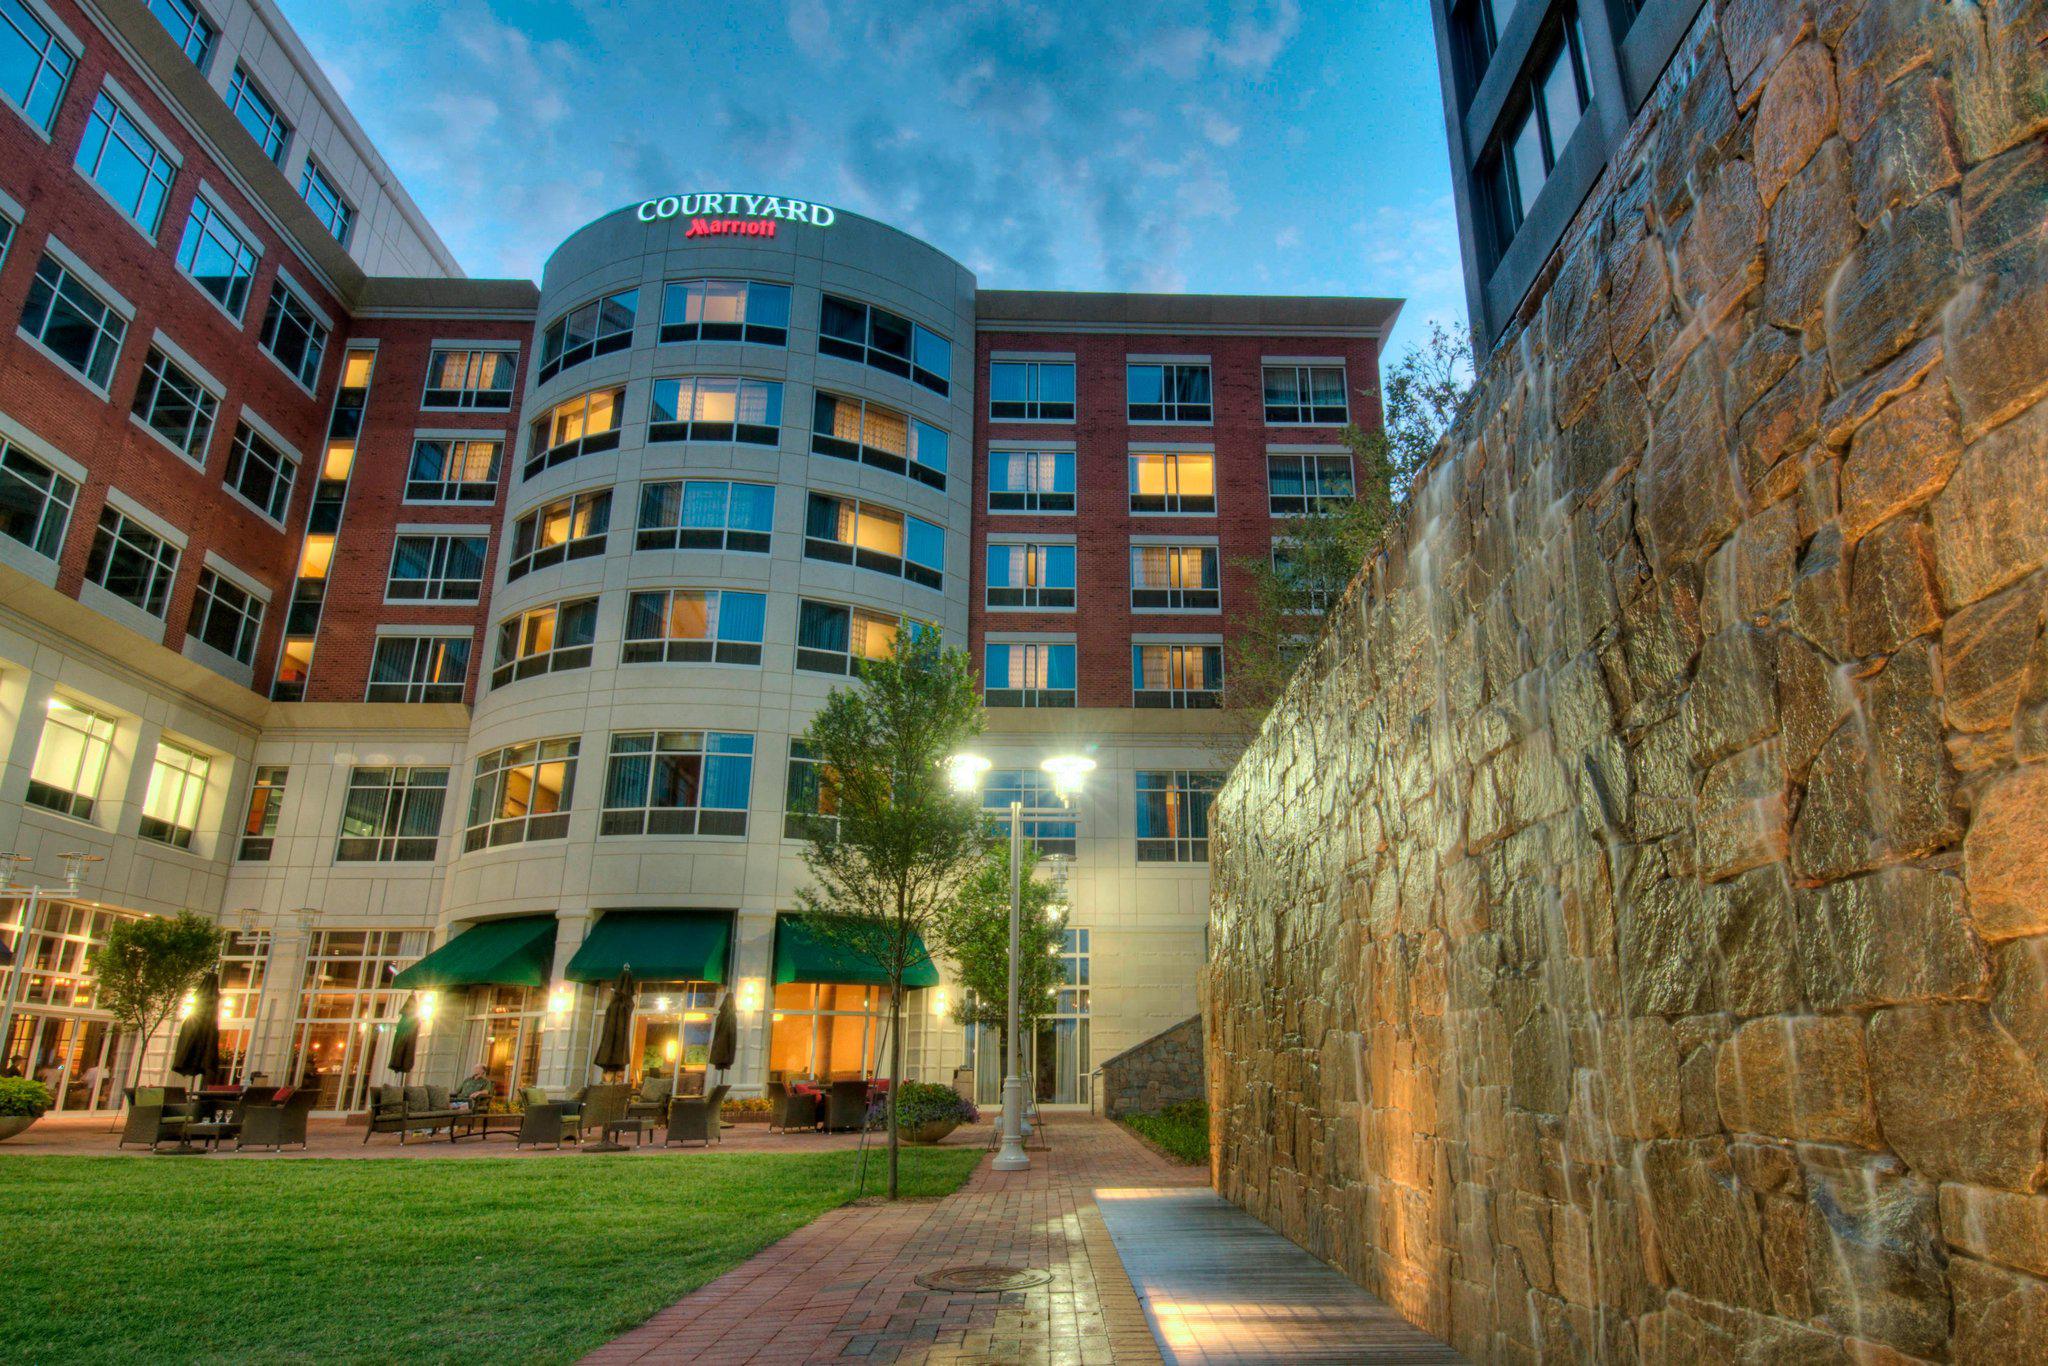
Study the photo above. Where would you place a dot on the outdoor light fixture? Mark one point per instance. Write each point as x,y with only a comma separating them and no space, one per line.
427,1004
189,1004
661,1004
558,1001
1067,771
938,1001
750,994
668,1050
964,771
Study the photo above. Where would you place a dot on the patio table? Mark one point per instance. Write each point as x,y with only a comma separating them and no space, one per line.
481,1124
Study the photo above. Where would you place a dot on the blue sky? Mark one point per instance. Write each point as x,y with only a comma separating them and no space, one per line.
1262,146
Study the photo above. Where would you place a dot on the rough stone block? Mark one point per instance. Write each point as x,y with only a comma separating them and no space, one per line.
2005,857
1891,588
1907,155
1956,1097
1999,1226
1985,652
1813,701
1875,1253
1733,702
1889,288
1813,227
1988,527
2019,997
2002,79
1688,494
1795,115
1743,814
1800,1077
1900,458
1709,1230
2001,1318
1894,936
1757,969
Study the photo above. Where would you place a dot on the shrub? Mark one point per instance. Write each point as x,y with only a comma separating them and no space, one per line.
928,1102
742,1107
1182,1129
20,1096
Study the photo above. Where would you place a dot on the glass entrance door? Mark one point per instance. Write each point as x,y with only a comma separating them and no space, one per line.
80,1060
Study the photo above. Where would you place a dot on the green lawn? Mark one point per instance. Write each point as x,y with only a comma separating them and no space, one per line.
196,1259
1182,1130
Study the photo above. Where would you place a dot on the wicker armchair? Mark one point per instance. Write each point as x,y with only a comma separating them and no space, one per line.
695,1118
652,1102
846,1106
787,1110
155,1113
276,1123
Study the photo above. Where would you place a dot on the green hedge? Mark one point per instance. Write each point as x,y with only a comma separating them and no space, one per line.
20,1096
1181,1129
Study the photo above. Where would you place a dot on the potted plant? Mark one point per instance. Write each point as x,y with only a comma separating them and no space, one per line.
22,1103
927,1111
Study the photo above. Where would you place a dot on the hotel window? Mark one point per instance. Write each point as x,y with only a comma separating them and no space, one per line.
705,514
391,815
126,163
810,799
1173,815
261,472
345,1008
1174,578
294,667
418,669
1306,395
73,323
853,429
177,407
294,334
1031,391
870,536
747,410
874,336
521,793
1047,821
1165,392
725,310
832,639
1182,482
34,65
217,257
572,528
188,27
1317,593
470,379
595,329
547,639
449,469
71,759
825,1030
436,567
584,425
1176,676
678,782
170,805
694,626
1030,575
226,617
266,803
1031,481
326,201
1027,674
1307,485
7,229
1548,106
247,102
35,501
131,561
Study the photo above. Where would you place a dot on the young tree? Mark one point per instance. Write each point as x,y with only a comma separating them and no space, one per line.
145,968
888,878
978,943
1317,555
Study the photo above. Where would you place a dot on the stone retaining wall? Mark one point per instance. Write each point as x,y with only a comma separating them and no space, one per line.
1164,1070
1631,932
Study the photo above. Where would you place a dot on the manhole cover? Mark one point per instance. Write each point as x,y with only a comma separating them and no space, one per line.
976,1279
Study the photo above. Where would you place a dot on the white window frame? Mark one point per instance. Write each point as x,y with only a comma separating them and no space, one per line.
523,663
415,687
1312,503
1173,454
293,462
259,595
467,393
1183,544
1301,364
1010,640
312,170
443,532
190,779
124,104
96,751
24,555
999,451
213,388
1035,358
62,37
112,299
298,293
518,566
1186,362
466,435
1035,594
216,208
282,127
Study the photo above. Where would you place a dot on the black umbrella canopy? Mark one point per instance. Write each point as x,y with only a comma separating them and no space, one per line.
405,1040
725,1035
197,1051
614,1051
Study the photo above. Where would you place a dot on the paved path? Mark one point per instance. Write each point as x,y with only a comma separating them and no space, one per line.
1219,1286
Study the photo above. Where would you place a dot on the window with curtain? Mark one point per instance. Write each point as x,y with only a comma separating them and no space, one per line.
448,469
713,408
418,669
694,626
1304,485
436,568
585,425
810,796
725,310
1174,578
571,528
1168,392
1176,676
1031,481
177,786
873,336
1173,815
705,514
678,782
466,378
1029,574
546,639
521,793
588,331
833,639
1304,395
1031,391
873,434
1028,674
71,759
870,536
391,815
1181,483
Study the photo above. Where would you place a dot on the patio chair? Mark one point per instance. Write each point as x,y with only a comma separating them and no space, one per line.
787,1110
407,1109
607,1107
652,1102
695,1118
155,1113
278,1122
846,1106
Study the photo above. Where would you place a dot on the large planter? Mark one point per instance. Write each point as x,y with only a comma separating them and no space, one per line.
928,1133
10,1125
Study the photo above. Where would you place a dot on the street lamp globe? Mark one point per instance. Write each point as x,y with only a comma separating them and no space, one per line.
964,771
1067,772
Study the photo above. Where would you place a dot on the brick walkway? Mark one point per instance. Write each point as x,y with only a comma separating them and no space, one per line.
844,1286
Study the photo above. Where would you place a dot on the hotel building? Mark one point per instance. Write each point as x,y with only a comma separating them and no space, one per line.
452,637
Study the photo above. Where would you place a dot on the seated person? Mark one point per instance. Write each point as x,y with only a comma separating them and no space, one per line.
474,1093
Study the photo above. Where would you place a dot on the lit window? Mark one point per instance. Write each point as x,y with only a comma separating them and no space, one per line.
678,782
436,568
854,429
1302,395
545,640
470,379
521,793
170,805
1030,575
833,639
584,425
294,334
1173,815
874,336
810,798
226,617
266,803
1549,105
261,471
1031,391
34,66
1027,674
725,310
188,28
326,201
217,257
131,561
694,626
35,501
571,528
1030,481
71,759
705,514
122,160
418,669
748,410
177,407
1176,676
247,102
391,815
1178,482
294,667
1048,821
1161,392
870,536
1305,485
595,329
447,469
73,323
1174,578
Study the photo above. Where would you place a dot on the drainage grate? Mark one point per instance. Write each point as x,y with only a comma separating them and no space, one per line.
977,1279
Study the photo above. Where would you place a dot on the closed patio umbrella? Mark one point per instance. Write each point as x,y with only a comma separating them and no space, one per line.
405,1041
197,1050
725,1035
615,1034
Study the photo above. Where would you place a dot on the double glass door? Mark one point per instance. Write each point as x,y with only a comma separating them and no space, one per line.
81,1060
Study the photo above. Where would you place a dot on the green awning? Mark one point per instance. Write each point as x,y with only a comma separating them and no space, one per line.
658,946
802,954
515,952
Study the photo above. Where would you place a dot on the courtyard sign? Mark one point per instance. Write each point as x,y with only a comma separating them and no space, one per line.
721,215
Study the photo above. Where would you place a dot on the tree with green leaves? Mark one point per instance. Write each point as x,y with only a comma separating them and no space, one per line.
889,873
145,968
978,944
1316,555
